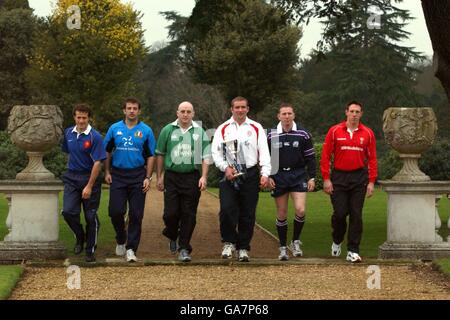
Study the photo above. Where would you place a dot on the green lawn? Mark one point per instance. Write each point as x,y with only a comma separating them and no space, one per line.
106,240
316,235
9,275
444,266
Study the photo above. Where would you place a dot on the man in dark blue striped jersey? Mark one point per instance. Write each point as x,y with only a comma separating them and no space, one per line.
294,170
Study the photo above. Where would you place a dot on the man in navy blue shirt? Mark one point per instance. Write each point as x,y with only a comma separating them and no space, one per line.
82,185
292,147
130,148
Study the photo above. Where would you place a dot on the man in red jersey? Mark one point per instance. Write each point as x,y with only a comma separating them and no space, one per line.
353,148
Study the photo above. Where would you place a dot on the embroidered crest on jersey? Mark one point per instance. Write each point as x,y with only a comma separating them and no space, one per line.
295,144
138,134
195,136
249,133
361,140
86,144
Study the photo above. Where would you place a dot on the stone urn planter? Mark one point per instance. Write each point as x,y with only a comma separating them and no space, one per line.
410,131
35,129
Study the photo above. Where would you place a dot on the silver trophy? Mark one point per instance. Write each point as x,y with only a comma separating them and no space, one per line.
233,155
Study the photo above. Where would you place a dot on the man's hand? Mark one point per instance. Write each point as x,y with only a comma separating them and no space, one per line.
108,178
311,185
87,191
370,188
263,182
328,186
230,173
271,184
202,183
160,184
146,185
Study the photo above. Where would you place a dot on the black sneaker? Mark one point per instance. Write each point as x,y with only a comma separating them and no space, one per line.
78,247
90,257
173,246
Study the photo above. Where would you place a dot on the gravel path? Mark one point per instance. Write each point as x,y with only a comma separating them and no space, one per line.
290,282
323,281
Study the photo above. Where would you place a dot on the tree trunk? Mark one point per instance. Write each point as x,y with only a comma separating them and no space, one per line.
437,13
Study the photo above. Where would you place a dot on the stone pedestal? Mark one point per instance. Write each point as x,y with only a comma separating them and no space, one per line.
411,222
32,221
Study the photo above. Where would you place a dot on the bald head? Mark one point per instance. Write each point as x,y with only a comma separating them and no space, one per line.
185,106
185,114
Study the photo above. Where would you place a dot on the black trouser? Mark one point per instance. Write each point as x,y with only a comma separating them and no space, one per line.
238,210
74,184
349,191
126,187
181,197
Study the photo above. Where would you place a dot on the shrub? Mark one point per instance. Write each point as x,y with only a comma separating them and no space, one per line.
14,160
435,162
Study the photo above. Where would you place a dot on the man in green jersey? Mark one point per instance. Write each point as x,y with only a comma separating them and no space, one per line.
183,151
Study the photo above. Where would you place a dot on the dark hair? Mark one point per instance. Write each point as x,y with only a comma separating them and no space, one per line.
238,98
285,105
82,107
353,102
131,100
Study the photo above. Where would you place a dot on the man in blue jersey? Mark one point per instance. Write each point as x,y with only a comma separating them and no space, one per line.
82,185
294,166
130,149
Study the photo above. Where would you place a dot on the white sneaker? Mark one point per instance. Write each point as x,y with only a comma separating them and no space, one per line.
295,247
120,250
131,257
228,249
243,255
353,257
335,250
283,254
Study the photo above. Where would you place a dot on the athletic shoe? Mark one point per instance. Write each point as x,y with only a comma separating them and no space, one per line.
173,246
335,250
131,257
90,257
295,247
283,254
78,247
243,255
353,257
228,249
184,256
120,250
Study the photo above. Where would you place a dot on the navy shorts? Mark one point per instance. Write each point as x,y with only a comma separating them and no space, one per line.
289,181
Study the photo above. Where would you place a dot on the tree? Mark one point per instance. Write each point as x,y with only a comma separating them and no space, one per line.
14,4
436,16
362,62
429,87
96,63
17,25
167,83
243,47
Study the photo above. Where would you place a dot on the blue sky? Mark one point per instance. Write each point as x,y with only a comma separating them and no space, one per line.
155,24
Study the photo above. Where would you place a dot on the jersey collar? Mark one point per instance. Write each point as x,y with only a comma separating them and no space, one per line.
280,127
86,132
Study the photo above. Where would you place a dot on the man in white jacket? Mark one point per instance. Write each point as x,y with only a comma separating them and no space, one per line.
239,193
